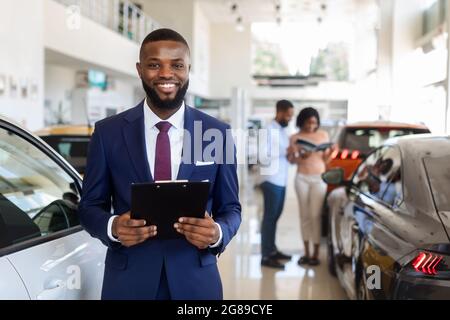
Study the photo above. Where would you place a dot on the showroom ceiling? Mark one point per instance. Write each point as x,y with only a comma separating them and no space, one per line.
228,11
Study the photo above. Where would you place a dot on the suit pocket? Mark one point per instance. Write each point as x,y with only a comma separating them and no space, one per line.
207,258
116,260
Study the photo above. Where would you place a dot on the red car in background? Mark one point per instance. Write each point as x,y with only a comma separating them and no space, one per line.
357,140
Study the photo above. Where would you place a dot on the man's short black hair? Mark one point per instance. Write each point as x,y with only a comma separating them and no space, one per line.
305,114
164,34
284,105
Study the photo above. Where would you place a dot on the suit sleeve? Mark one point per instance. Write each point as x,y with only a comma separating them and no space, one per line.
95,205
226,208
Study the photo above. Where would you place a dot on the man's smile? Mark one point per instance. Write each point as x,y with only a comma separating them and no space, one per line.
166,87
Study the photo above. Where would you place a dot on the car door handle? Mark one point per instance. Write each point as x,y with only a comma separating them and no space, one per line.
54,290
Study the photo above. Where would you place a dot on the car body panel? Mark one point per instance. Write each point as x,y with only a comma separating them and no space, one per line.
70,267
66,264
366,231
11,285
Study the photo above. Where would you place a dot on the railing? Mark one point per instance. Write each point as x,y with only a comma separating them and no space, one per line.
121,16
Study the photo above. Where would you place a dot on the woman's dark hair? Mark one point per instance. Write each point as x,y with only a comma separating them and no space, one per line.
305,114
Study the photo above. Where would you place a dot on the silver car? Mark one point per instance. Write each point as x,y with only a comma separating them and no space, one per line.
44,252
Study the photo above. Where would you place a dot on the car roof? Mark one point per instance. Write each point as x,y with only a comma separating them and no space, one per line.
386,124
416,141
414,149
66,130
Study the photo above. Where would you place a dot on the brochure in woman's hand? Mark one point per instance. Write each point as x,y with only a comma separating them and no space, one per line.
312,147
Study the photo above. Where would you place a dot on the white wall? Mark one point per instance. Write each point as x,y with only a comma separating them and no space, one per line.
230,60
174,14
193,25
411,71
199,77
22,58
91,42
126,91
59,84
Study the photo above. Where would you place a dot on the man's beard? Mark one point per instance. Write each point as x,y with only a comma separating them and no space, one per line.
165,104
283,123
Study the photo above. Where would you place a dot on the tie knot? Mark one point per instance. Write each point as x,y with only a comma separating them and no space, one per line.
163,126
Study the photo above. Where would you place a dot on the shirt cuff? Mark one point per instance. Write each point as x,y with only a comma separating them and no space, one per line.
215,245
109,229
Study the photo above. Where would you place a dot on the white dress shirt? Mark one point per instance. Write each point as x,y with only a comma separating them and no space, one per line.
277,149
176,134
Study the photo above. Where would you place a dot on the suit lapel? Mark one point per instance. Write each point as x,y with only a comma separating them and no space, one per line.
134,134
187,159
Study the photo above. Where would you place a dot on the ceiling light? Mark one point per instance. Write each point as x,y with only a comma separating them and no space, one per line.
234,8
239,25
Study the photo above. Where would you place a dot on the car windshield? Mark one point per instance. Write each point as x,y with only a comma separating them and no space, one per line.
29,178
72,148
367,139
438,170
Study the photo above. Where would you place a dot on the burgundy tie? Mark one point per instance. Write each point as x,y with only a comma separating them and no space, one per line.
162,153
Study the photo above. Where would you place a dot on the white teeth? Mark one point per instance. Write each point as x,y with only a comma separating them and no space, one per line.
166,85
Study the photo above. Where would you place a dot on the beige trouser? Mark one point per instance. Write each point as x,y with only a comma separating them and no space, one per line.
311,191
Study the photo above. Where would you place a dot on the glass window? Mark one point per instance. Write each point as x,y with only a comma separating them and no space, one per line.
380,175
366,139
367,177
391,191
73,148
37,197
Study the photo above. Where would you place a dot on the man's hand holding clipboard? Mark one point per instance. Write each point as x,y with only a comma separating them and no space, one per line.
131,232
171,207
200,232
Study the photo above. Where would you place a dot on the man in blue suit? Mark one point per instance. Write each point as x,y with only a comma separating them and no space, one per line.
158,140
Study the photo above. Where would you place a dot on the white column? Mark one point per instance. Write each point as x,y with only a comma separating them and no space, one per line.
385,56
239,113
447,84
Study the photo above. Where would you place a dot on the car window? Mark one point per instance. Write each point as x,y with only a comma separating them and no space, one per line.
367,139
391,191
73,148
380,175
37,197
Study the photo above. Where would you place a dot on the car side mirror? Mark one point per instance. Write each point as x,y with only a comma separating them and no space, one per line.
334,177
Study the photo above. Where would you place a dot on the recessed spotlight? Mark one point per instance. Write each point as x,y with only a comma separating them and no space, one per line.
234,7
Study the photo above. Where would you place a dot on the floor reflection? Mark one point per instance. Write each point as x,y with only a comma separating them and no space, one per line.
244,278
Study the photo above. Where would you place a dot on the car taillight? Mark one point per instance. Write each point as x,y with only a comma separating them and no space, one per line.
344,154
355,155
427,263
334,154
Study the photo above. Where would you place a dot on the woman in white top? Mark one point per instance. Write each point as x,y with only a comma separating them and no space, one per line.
310,188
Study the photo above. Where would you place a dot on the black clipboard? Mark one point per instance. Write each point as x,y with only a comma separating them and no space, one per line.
163,203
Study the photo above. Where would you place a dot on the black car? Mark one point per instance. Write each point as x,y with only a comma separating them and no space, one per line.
389,225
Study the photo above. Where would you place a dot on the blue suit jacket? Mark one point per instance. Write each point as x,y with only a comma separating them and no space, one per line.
116,159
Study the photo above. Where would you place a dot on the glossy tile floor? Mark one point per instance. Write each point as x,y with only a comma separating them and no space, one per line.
244,278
